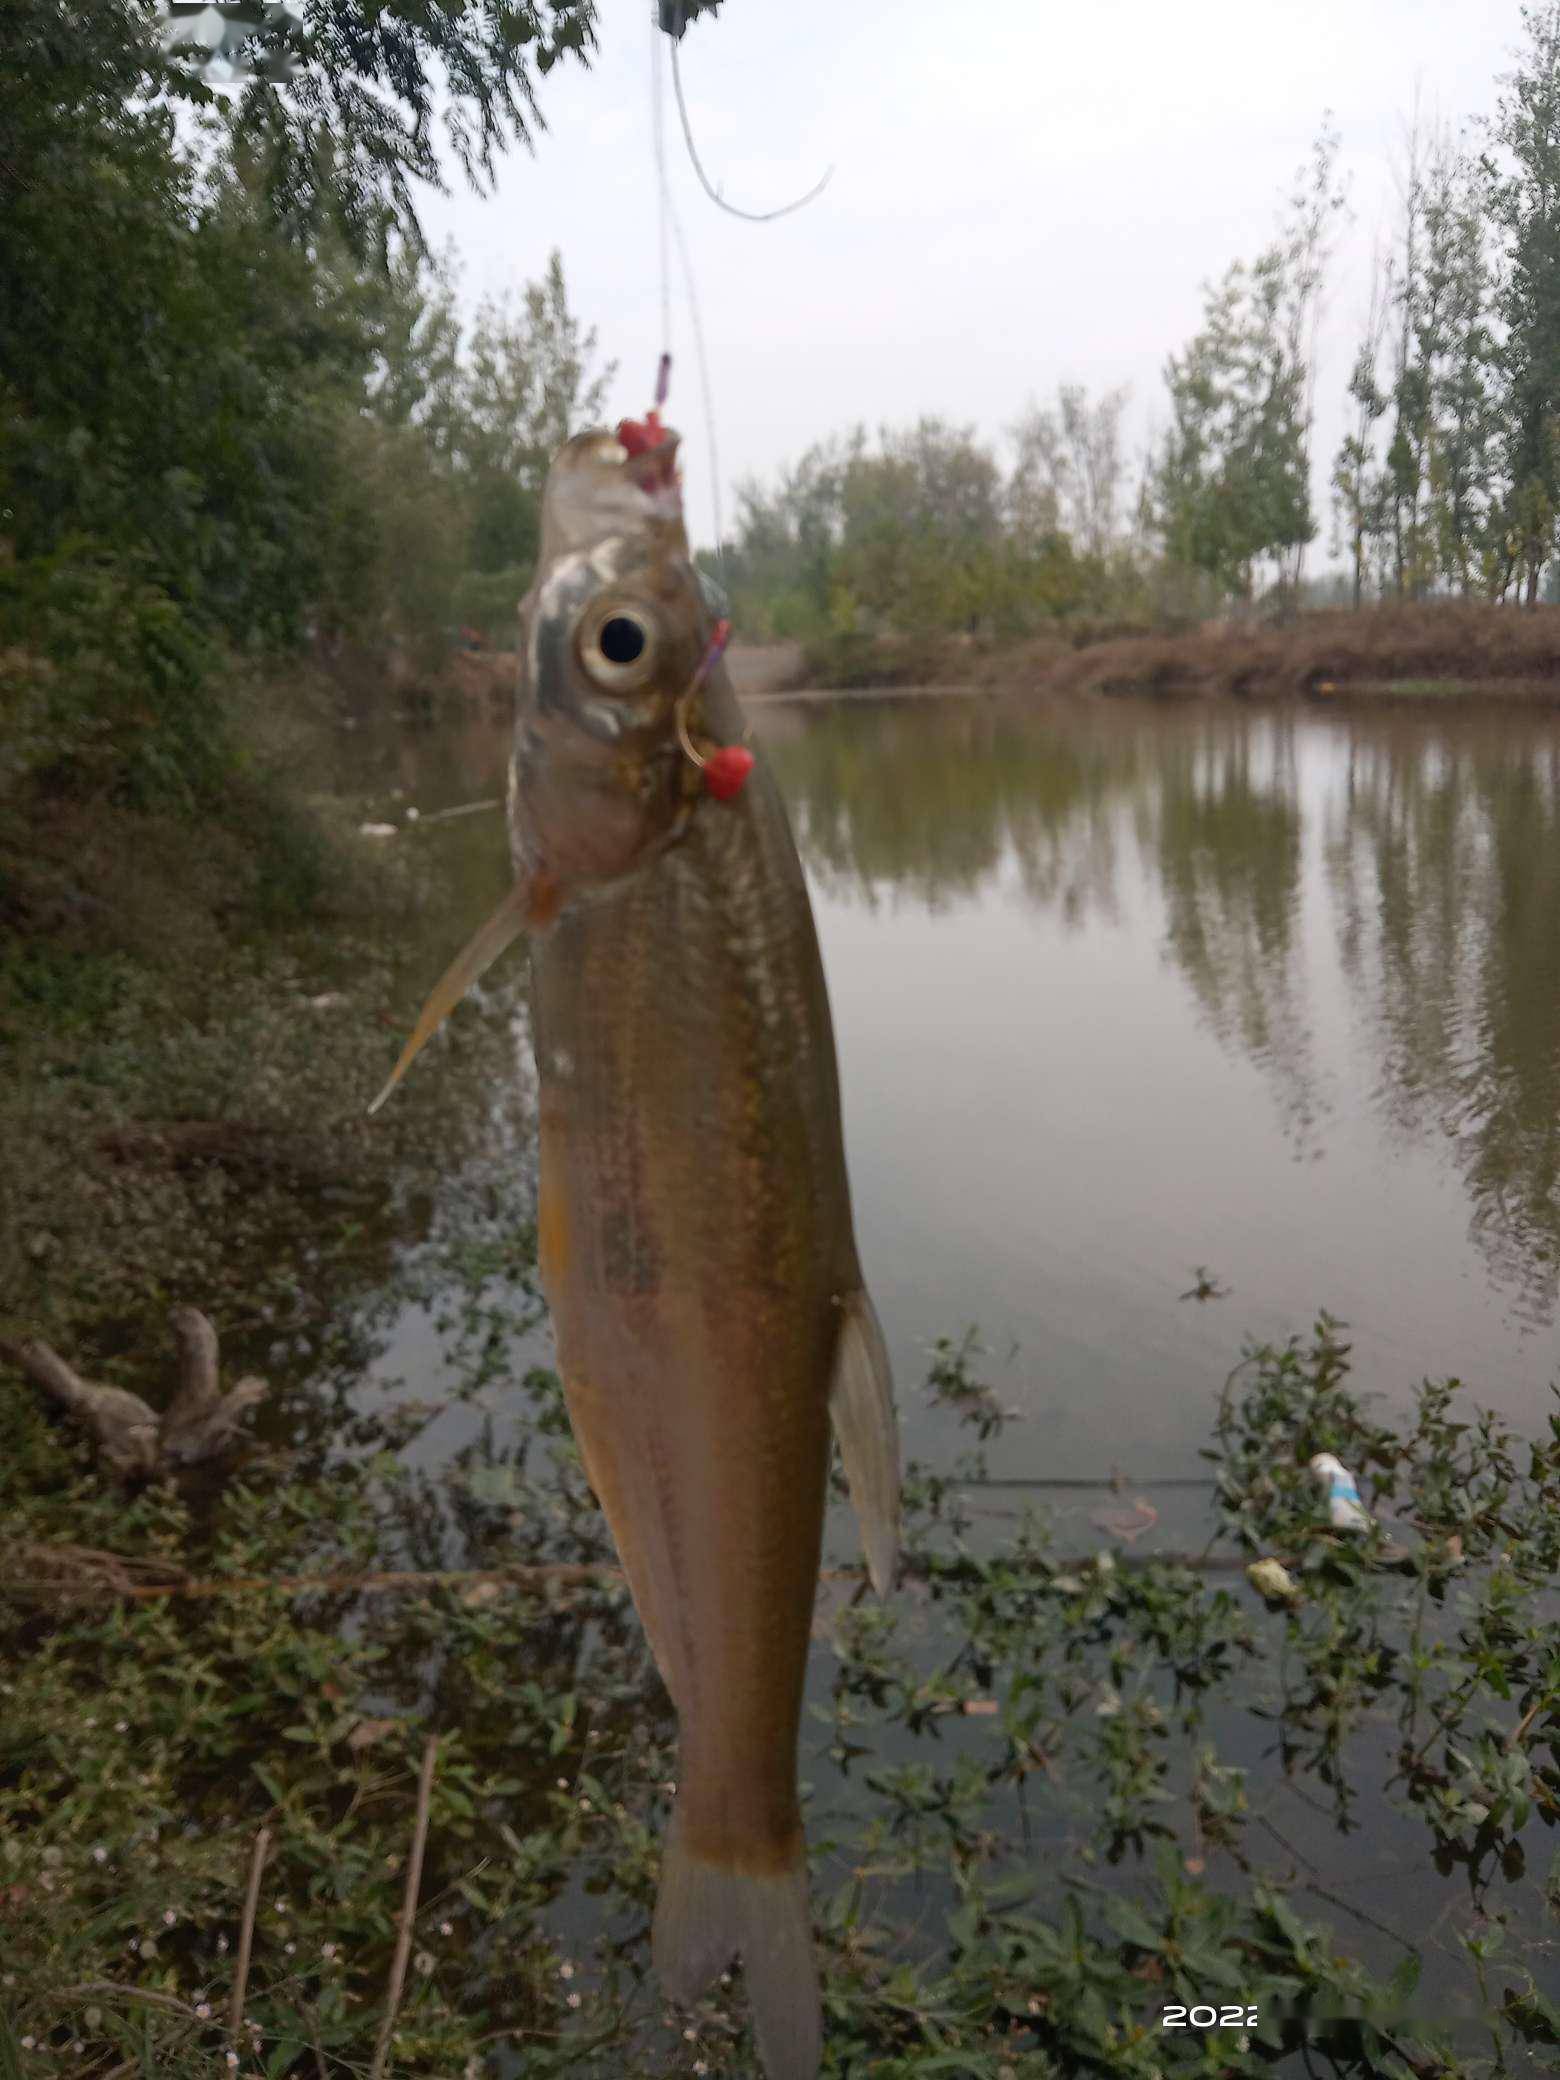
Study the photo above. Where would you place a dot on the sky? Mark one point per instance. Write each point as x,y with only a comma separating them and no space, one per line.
1024,193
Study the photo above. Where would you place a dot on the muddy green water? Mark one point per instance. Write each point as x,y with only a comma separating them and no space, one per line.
1121,991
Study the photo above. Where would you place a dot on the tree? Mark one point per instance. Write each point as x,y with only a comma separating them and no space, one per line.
1316,200
343,142
779,565
526,386
1357,481
1456,349
920,522
1070,470
1230,488
416,331
1524,196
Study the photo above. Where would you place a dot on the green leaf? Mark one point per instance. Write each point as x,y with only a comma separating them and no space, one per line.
1132,1923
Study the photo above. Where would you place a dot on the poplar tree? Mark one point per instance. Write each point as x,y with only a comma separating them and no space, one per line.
1456,346
1230,488
1417,319
1524,200
1358,480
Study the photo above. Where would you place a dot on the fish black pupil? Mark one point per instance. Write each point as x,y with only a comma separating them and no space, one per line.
622,640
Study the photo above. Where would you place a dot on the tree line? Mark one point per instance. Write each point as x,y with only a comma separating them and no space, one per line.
257,417
1447,480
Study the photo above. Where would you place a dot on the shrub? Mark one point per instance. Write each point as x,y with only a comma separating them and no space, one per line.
105,684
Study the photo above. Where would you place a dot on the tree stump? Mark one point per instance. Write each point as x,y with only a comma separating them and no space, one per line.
133,1440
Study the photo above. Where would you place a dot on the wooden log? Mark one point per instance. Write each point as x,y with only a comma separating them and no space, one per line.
133,1440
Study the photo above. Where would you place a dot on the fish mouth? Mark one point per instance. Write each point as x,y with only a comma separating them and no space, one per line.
650,450
603,486
654,470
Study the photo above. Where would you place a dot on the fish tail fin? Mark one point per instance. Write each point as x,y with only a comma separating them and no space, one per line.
527,904
706,1910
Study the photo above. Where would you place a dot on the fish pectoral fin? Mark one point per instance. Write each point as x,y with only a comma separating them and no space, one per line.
861,1403
528,904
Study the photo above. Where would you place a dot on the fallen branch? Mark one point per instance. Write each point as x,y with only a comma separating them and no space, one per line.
65,1573
109,1575
246,1937
133,1440
408,1917
106,1990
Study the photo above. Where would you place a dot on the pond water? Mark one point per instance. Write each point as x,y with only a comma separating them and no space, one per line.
1123,994
1123,991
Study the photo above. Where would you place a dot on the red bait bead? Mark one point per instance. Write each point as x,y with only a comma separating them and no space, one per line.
726,771
640,435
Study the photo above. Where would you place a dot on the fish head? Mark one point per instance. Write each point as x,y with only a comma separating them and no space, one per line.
613,630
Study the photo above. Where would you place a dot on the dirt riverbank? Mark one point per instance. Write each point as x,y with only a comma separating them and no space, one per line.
1435,651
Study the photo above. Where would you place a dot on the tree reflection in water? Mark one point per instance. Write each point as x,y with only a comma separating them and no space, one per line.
1433,892
1444,860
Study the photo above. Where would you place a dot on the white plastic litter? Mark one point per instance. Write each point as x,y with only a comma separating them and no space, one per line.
1345,1511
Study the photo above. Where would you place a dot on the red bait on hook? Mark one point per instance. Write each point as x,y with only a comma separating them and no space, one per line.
726,768
639,436
726,771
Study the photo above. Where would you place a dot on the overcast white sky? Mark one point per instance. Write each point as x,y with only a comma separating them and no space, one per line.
1025,192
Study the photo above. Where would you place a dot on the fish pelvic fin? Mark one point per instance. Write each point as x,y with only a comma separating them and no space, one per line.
861,1403
706,1910
528,905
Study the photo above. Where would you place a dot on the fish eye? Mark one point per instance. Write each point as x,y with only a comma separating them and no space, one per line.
622,639
619,651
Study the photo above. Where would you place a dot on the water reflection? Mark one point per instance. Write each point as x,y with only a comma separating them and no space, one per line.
1102,971
929,802
1444,861
1403,869
1223,822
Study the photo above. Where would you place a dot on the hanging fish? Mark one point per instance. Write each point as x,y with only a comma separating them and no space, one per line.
696,1242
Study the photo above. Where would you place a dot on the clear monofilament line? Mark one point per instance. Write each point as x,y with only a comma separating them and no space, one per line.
704,388
663,199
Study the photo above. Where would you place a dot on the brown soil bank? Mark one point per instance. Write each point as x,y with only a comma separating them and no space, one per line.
1429,651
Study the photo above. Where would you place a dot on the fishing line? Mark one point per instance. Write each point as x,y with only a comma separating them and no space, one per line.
704,388
764,216
663,199
669,17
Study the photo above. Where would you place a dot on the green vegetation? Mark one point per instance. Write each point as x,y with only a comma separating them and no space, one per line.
231,432
1038,1811
243,448
1231,485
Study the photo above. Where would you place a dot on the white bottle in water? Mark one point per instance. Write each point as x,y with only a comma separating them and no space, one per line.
1345,1511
